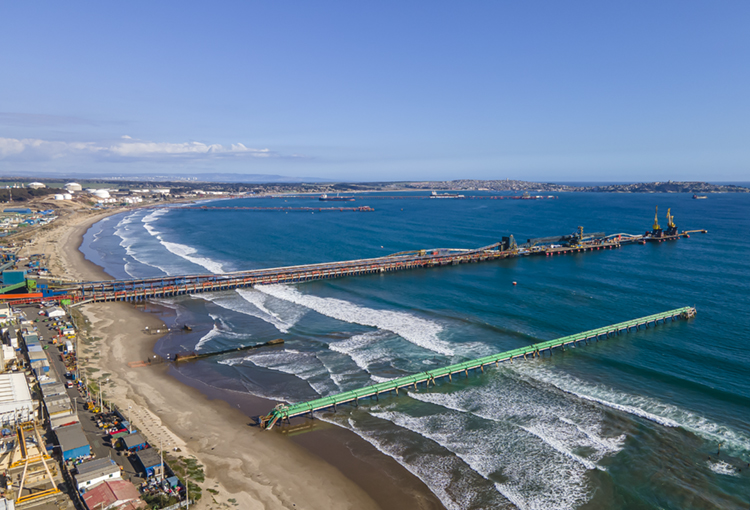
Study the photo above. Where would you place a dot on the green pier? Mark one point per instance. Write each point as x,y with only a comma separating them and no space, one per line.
285,412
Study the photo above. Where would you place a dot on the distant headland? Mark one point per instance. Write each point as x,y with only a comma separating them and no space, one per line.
22,189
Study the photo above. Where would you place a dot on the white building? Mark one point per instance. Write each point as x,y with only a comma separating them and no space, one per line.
72,187
99,193
37,185
93,472
15,399
55,312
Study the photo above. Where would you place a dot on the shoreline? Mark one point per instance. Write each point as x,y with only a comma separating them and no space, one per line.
327,468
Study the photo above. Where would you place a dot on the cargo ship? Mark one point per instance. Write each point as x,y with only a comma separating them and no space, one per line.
326,198
699,197
445,195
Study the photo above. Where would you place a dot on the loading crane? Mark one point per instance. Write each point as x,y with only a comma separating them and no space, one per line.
671,227
657,231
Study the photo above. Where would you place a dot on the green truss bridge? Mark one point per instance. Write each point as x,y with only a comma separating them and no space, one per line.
285,412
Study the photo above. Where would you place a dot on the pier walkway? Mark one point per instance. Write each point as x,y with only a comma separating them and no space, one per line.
141,289
171,286
285,412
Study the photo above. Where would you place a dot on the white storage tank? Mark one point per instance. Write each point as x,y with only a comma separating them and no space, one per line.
67,196
59,197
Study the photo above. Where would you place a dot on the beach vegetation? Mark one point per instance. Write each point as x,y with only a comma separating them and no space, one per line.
160,500
187,467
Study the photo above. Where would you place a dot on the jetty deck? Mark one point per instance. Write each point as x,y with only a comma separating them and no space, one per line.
172,286
286,412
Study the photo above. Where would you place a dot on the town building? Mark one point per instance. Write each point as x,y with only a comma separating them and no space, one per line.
133,442
16,404
109,495
151,462
93,472
73,442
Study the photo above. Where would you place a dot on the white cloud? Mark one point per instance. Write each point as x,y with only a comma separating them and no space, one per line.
126,147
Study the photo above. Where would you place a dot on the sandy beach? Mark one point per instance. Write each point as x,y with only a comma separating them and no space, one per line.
245,467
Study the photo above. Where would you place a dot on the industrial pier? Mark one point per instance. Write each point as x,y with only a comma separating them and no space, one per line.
171,286
136,290
286,412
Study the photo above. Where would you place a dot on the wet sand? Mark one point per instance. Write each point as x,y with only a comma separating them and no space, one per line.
327,468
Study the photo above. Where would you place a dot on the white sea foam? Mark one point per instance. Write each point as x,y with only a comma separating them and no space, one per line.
548,436
364,348
181,250
411,328
722,468
255,304
434,471
304,365
152,217
649,408
127,240
564,425
188,253
221,330
538,477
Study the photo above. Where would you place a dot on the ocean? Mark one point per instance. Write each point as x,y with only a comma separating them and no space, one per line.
654,419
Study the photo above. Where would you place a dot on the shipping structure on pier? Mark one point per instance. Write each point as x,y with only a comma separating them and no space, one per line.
142,289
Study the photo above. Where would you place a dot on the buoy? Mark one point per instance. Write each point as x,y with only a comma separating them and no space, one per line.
514,283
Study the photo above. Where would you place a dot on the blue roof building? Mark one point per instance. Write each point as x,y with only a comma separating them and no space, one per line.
150,460
73,442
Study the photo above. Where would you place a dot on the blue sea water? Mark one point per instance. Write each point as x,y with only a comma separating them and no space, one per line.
632,422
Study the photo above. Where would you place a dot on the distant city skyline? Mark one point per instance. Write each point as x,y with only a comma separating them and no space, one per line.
546,91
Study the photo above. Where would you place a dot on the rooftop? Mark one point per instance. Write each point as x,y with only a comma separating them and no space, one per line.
14,388
133,440
149,457
71,437
107,494
98,468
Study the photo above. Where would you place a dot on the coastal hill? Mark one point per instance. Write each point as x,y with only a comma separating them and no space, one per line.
669,187
644,187
185,188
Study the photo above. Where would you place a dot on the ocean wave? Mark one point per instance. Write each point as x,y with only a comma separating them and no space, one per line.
722,468
181,250
220,332
128,238
152,217
254,304
649,408
188,253
433,470
364,349
564,425
415,330
304,365
537,477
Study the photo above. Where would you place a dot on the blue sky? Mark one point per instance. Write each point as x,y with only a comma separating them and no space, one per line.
535,90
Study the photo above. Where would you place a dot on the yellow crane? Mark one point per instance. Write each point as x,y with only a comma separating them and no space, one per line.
670,219
656,220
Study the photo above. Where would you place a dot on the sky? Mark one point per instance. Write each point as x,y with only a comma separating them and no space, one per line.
373,91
